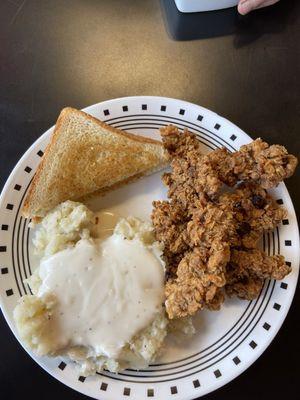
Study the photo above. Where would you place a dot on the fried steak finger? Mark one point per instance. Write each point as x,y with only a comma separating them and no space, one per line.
193,174
260,264
247,270
170,225
205,174
263,164
254,212
243,285
196,283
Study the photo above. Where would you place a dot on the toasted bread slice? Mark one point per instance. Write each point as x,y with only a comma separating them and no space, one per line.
85,156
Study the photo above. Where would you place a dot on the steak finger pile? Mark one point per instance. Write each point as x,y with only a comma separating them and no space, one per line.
217,211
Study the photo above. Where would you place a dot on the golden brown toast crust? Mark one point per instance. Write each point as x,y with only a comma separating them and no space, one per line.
141,139
63,115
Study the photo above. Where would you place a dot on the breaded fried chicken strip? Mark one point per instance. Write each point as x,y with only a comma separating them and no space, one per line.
266,165
197,283
254,212
201,272
205,174
247,270
170,223
193,176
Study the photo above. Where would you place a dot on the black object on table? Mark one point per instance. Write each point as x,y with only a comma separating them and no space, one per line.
79,52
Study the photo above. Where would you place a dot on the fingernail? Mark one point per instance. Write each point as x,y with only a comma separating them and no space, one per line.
243,7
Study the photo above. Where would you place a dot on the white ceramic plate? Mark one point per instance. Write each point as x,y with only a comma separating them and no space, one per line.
228,341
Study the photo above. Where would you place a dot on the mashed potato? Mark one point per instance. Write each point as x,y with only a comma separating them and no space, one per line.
63,228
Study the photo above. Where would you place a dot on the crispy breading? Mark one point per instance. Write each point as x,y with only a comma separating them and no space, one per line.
205,174
266,165
254,211
245,286
193,174
210,236
170,222
196,284
247,270
260,264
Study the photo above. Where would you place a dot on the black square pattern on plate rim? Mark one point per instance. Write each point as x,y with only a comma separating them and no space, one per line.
181,111
285,222
27,169
17,187
236,360
200,118
196,383
9,292
4,227
232,137
62,365
217,373
266,326
81,378
125,108
4,270
40,153
279,201
288,263
144,106
276,306
103,386
163,108
126,391
150,392
3,249
217,126
106,112
173,390
283,285
253,344
288,242
9,206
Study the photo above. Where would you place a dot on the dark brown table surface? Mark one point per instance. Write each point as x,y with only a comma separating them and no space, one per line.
79,52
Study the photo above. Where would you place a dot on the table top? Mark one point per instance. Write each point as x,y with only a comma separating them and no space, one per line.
79,52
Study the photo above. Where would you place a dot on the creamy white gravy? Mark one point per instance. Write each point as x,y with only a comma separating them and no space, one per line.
107,291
